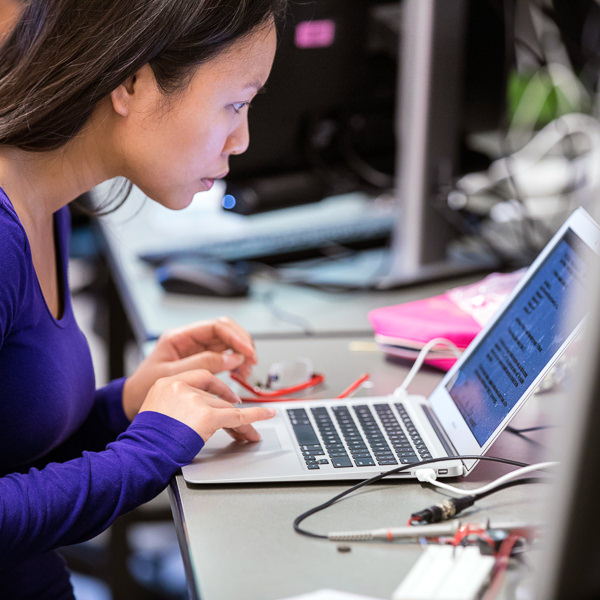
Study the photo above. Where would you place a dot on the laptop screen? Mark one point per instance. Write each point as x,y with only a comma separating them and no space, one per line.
521,343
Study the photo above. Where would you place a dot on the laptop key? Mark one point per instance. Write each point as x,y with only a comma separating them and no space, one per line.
364,462
371,428
416,438
385,454
303,430
340,462
386,460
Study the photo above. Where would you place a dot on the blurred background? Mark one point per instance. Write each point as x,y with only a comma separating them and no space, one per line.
470,132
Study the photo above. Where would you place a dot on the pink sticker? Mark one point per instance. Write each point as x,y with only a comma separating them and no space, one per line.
315,34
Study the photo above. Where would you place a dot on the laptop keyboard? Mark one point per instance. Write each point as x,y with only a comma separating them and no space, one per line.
345,445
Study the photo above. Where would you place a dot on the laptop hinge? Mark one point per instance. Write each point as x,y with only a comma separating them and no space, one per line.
444,439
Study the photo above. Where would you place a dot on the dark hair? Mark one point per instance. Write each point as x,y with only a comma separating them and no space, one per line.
63,56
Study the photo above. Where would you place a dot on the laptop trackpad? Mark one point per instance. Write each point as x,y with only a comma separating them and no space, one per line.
221,443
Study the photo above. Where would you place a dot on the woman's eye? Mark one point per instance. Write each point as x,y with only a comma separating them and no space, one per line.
239,106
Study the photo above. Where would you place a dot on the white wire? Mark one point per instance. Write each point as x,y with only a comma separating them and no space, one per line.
493,484
401,389
545,140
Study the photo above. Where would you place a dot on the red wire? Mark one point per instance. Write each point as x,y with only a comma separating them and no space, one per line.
502,559
351,388
315,379
277,395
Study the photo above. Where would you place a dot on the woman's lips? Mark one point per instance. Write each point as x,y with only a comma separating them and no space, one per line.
210,181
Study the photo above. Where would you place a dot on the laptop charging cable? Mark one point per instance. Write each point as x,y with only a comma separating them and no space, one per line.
401,390
429,476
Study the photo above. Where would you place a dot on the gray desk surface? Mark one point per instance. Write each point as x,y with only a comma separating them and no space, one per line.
238,541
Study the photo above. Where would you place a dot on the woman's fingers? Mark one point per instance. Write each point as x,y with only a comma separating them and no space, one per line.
220,334
237,421
240,419
245,433
235,337
215,362
206,404
203,380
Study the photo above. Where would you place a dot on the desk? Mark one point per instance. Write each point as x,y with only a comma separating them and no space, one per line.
238,541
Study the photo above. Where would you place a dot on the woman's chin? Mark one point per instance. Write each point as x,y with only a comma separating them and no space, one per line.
177,202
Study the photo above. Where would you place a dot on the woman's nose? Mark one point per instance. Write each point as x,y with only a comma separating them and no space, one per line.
239,139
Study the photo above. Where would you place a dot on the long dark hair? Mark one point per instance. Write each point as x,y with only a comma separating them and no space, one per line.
63,56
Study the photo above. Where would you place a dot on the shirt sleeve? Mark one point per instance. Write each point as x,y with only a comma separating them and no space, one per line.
66,503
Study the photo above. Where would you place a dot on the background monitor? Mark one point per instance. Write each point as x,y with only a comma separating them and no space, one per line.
330,121
451,83
326,124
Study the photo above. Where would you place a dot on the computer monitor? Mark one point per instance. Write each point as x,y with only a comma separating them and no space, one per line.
451,83
330,100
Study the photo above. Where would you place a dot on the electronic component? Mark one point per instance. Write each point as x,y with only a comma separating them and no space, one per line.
448,573
443,511
394,533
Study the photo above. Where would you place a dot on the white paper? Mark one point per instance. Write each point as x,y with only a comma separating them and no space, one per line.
330,595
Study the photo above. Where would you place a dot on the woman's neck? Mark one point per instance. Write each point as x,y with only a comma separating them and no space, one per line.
40,183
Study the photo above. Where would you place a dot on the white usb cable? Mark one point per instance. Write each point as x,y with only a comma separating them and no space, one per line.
428,476
400,391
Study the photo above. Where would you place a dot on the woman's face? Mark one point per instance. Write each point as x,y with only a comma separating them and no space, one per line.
172,147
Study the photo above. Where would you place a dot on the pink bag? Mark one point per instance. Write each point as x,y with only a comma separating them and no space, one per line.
457,315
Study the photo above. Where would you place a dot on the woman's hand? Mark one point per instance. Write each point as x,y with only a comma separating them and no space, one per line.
216,346
204,403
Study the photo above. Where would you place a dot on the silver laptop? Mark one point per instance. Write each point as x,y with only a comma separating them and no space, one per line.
472,405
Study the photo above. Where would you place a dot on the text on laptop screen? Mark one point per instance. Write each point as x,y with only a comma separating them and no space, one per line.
521,343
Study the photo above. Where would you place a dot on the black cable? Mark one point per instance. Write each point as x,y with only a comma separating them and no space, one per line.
381,476
451,507
523,431
536,428
521,434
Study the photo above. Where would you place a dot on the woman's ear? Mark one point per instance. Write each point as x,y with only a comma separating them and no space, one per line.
121,96
136,93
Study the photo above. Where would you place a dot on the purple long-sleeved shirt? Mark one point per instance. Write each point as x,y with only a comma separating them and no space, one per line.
70,461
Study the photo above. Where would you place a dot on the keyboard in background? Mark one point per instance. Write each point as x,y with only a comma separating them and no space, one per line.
291,243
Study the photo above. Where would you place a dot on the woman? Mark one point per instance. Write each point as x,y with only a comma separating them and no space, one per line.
156,91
